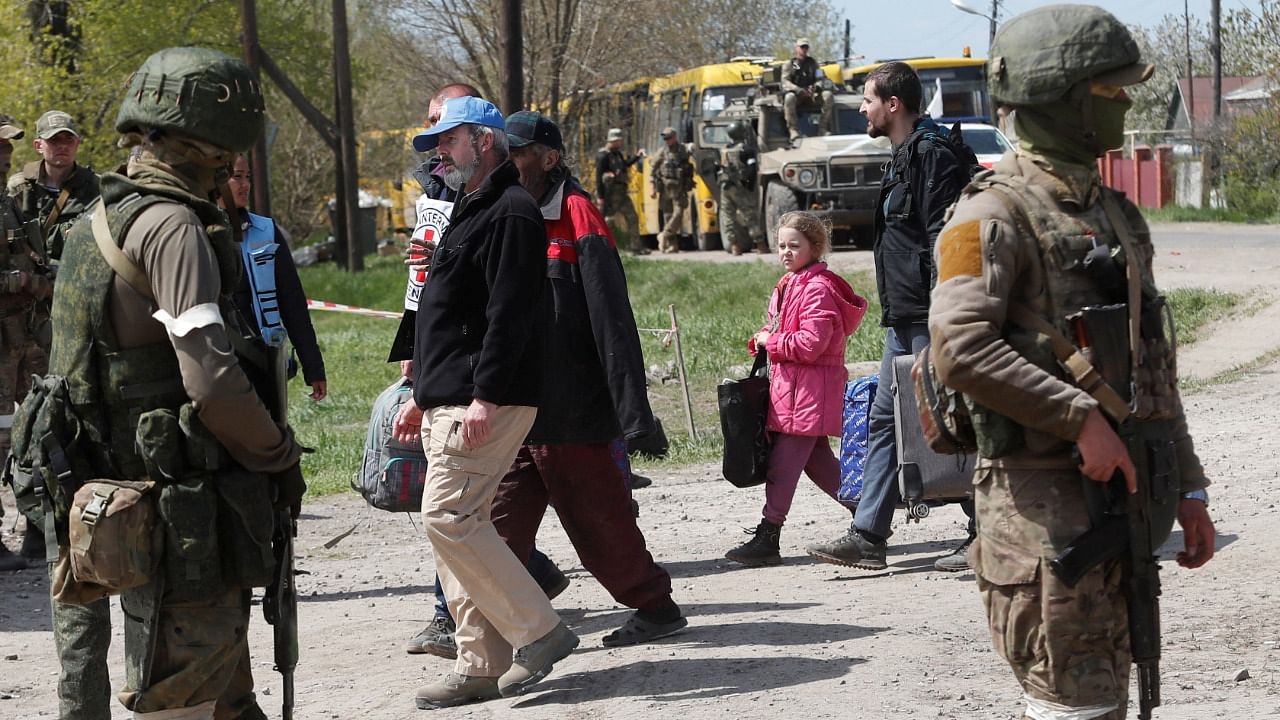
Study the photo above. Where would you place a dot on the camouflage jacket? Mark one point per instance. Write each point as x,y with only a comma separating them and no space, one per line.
989,259
800,74
673,166
36,200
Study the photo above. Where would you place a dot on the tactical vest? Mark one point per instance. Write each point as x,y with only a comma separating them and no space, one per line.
673,165
1070,243
734,167
20,245
259,249
111,387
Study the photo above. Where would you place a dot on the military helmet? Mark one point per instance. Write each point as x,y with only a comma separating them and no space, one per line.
198,92
1038,56
737,131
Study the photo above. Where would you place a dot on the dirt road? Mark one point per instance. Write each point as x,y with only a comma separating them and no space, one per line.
803,640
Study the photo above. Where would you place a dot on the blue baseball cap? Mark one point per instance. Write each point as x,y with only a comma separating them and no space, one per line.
459,111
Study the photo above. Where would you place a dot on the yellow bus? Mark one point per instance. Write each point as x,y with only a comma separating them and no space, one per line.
963,81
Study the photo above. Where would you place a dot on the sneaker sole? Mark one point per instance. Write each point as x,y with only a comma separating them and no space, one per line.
519,688
450,653
949,569
860,564
429,704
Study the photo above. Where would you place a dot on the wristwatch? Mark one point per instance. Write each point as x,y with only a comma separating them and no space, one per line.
1201,495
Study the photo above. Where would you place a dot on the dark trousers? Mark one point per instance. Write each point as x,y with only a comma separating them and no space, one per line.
589,492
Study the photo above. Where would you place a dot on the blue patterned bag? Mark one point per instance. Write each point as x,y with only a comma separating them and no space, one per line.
859,393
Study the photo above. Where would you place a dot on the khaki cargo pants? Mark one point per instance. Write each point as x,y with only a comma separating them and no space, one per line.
496,604
1068,646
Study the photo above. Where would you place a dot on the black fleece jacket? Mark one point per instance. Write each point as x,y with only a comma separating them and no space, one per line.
480,314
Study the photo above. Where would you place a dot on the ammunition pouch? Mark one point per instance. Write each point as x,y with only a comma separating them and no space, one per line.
114,543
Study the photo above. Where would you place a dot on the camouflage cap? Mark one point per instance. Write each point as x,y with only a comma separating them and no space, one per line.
802,42
1038,56
9,129
668,132
54,122
614,134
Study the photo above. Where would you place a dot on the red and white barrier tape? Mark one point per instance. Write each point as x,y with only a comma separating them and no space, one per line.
350,309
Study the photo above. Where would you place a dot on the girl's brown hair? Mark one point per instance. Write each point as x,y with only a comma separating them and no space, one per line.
815,230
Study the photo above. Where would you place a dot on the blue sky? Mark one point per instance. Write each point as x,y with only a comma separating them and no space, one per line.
903,28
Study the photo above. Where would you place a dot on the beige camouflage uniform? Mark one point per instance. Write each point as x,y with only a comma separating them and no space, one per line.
1066,646
672,182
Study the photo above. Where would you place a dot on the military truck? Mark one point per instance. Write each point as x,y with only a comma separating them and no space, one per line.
835,176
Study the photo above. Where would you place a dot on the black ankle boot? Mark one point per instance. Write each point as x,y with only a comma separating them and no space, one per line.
33,545
762,549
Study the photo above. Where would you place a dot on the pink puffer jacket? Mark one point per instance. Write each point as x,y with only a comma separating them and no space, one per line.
806,353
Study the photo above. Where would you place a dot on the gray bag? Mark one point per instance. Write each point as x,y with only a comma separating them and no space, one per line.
924,476
393,473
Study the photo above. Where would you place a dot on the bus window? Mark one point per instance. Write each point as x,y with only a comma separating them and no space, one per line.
964,92
714,100
714,136
850,122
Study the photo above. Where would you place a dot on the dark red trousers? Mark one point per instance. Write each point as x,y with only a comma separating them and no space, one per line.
588,491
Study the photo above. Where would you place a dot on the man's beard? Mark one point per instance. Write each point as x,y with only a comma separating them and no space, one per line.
456,177
873,131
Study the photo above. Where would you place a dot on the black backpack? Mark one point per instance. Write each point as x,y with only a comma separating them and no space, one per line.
966,159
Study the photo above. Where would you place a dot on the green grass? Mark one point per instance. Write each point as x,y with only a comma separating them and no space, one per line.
718,307
1177,213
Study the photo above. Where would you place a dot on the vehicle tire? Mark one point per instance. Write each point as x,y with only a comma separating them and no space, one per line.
778,201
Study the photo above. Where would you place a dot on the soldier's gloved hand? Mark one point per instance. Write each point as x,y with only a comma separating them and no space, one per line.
290,487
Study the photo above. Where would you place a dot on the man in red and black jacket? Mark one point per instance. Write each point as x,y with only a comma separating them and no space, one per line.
593,392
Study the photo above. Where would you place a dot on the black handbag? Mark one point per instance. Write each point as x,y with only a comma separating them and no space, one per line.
744,406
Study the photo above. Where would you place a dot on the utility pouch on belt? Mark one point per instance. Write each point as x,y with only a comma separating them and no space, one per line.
112,534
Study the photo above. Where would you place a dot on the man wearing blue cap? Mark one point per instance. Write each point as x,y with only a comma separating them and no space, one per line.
476,392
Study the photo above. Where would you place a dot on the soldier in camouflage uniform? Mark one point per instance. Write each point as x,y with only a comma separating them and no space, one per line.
671,183
1015,248
26,283
613,183
55,189
182,406
802,85
739,222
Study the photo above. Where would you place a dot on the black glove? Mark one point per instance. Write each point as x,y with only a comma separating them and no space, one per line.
289,489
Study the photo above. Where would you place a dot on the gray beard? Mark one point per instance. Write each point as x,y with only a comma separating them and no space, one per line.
456,178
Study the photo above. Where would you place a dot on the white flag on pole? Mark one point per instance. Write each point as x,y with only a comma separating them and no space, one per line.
935,103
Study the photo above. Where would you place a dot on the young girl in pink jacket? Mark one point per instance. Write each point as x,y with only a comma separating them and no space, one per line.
810,315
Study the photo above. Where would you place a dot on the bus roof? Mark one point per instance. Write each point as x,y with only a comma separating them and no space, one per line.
919,63
719,74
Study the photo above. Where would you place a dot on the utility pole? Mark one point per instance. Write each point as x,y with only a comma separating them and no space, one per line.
258,159
1217,60
995,17
848,50
512,56
1191,76
344,109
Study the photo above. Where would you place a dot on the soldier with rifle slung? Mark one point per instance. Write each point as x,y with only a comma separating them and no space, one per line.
150,363
1047,317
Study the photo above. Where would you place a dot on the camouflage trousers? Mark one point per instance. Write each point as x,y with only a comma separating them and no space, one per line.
1066,645
201,656
82,636
619,210
739,226
674,205
21,356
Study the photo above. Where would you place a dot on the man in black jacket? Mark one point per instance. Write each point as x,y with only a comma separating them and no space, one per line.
476,391
594,392
923,180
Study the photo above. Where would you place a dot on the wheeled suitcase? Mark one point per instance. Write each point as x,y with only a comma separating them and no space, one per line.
925,478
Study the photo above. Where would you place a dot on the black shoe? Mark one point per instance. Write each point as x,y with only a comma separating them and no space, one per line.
435,639
957,560
10,561
33,548
760,550
851,550
555,583
639,481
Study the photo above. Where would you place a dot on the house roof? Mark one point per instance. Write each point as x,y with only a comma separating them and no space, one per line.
1202,108
1259,88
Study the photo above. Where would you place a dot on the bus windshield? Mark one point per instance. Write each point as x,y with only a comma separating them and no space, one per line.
716,99
964,93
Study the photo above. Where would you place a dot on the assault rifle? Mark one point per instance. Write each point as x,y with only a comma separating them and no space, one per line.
280,603
1132,527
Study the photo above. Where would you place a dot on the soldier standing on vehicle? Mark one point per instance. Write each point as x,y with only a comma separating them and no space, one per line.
158,371
739,221
801,85
1013,250
672,181
613,180
25,286
55,189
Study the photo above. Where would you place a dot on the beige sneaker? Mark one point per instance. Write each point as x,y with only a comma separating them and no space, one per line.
533,661
457,689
